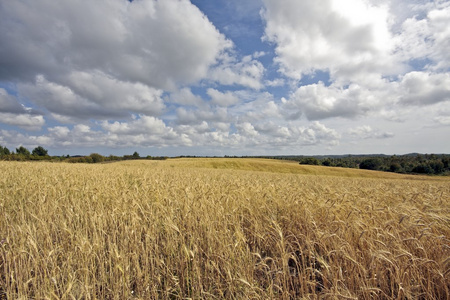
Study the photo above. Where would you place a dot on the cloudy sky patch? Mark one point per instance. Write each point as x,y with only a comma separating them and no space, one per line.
199,77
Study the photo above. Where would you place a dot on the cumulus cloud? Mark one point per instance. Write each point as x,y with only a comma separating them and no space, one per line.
246,129
59,131
145,131
317,101
16,139
150,73
255,106
427,37
197,116
248,72
151,132
63,100
443,120
185,96
368,48
114,94
144,124
275,135
157,43
9,104
191,130
423,88
349,39
15,114
275,82
83,66
272,129
222,99
24,121
366,132
383,97
93,95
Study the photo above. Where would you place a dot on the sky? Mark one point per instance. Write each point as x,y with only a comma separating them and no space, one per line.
225,77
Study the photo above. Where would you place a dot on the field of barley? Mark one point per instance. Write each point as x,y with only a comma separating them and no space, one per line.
221,229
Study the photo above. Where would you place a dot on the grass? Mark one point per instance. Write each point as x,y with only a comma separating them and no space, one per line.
220,228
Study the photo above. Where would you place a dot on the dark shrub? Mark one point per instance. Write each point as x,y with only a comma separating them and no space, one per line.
371,164
95,158
310,161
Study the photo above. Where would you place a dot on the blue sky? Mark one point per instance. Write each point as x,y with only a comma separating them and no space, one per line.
256,77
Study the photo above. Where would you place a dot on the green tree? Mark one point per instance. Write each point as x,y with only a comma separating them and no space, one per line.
327,162
4,151
395,167
136,155
437,166
371,164
39,151
423,169
96,158
23,151
310,161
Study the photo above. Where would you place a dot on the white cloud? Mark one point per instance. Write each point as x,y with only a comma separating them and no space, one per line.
360,40
61,100
157,43
95,95
16,139
347,39
142,125
279,137
443,120
366,132
275,82
222,99
59,131
197,116
427,38
143,132
422,88
148,73
9,104
81,128
116,95
246,129
255,106
148,131
247,73
194,129
24,121
273,129
185,96
317,101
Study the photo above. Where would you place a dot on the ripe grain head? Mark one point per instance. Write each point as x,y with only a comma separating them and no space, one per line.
198,229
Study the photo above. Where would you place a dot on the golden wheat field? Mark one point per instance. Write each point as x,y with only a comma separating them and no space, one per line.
221,229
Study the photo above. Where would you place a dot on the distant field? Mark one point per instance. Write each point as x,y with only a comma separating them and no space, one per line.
286,166
221,228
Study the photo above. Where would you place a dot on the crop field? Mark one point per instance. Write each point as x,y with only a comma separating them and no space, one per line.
221,229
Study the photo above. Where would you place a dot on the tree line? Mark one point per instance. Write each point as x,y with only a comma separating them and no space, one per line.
40,153
438,164
23,153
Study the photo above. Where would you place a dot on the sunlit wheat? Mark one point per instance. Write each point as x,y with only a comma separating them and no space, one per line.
220,228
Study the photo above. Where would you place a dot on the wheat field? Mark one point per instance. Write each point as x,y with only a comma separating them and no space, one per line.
221,229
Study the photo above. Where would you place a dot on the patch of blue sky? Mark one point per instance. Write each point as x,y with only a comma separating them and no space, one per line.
9,87
239,21
316,77
419,64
